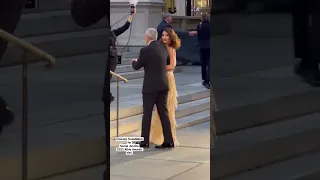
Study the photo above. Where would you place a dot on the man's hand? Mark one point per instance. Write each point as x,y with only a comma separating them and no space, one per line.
192,33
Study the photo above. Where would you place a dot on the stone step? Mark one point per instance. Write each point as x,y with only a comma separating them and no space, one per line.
49,5
183,122
132,105
254,147
62,45
53,22
281,108
73,90
53,151
131,55
306,167
133,123
121,68
277,94
126,61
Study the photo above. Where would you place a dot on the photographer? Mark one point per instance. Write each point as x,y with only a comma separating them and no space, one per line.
113,56
89,12
10,13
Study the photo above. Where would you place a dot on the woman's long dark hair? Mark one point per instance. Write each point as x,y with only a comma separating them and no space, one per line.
175,41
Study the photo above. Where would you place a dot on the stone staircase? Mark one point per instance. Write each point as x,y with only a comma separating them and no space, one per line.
267,131
66,135
194,107
59,146
267,117
58,137
56,33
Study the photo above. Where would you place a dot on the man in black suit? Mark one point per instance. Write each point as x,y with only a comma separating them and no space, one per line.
203,32
153,59
166,21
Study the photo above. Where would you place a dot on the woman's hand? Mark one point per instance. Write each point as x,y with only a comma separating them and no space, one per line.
132,15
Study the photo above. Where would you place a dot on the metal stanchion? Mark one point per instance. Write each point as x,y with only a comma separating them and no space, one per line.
118,87
25,115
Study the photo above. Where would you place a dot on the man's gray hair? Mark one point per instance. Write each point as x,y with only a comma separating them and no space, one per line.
205,16
165,15
152,33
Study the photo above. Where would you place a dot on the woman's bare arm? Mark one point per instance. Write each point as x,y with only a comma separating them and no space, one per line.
173,60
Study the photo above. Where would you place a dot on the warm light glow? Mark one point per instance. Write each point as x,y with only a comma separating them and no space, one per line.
133,2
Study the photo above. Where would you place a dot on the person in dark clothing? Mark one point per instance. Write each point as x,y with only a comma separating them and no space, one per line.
166,21
89,12
203,32
305,41
113,56
10,14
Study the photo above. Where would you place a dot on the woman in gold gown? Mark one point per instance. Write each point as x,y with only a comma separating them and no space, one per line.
172,42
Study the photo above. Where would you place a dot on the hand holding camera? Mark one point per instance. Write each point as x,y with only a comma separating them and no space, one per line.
133,10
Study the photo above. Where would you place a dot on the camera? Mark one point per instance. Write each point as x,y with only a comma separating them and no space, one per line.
132,7
119,58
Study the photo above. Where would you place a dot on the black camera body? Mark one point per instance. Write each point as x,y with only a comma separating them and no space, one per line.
119,58
132,7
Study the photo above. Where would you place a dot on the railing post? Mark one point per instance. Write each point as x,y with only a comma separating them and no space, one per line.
51,61
118,90
25,115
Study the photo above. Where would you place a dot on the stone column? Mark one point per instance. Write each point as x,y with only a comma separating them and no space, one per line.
148,15
181,8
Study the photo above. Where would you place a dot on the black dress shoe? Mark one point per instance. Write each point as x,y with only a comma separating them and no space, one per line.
165,146
206,84
143,145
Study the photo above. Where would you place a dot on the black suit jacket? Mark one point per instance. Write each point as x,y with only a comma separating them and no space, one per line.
153,59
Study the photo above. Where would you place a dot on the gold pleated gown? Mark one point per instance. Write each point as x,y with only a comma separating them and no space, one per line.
156,135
